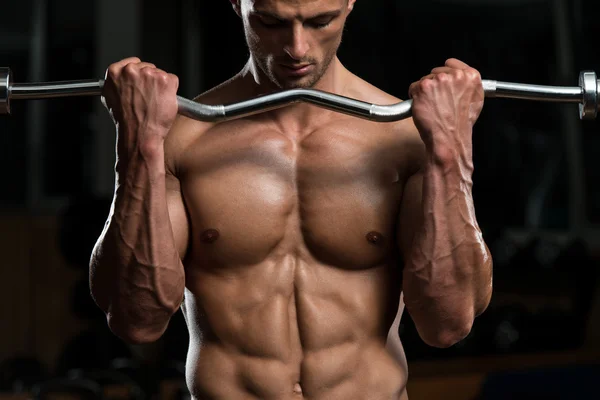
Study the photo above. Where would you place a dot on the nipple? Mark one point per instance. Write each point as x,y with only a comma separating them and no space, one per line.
374,237
210,236
297,388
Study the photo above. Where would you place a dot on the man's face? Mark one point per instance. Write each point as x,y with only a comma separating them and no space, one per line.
293,41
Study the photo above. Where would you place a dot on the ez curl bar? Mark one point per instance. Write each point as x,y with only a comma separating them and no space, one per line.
586,95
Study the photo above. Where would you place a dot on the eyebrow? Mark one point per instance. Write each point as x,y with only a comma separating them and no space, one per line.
326,14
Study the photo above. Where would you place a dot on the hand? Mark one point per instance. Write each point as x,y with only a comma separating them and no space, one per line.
446,105
142,101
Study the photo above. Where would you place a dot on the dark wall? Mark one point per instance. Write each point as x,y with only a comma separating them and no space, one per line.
544,284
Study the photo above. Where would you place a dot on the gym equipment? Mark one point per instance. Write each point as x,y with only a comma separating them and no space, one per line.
586,95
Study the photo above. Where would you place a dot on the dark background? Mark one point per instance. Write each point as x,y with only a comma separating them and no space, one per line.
535,188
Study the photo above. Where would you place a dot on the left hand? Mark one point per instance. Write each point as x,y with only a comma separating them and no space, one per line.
446,105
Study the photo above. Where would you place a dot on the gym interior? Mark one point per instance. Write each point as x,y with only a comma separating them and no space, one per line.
535,188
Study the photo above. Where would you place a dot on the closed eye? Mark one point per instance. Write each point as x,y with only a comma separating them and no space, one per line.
320,21
319,24
271,22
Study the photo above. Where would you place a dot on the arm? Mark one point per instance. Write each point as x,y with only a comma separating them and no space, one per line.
136,274
448,267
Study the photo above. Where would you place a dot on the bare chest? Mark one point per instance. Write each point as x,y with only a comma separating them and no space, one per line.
332,196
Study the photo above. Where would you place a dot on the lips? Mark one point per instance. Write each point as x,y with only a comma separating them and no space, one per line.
297,70
296,67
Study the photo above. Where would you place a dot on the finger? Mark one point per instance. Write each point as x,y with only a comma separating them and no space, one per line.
117,66
414,88
151,70
411,89
135,68
125,61
175,79
441,70
455,63
141,65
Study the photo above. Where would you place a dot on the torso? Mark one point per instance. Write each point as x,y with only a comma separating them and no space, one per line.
293,271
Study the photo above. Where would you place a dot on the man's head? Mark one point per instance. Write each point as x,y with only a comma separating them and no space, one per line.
292,42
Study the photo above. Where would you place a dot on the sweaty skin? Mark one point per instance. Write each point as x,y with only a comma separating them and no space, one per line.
293,272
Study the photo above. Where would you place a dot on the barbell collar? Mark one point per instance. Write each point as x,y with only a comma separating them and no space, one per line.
588,108
5,85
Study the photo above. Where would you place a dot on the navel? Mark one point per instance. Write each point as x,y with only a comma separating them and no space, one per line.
374,237
210,236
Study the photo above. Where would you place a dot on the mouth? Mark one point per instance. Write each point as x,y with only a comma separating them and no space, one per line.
297,70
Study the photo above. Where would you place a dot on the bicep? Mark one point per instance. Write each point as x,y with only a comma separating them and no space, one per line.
175,145
410,218
177,214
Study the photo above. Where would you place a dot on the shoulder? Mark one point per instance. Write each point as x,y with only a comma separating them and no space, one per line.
404,134
362,90
185,131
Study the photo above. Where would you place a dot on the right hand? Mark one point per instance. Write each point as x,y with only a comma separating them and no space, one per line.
142,101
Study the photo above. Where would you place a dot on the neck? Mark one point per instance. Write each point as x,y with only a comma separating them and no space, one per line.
299,116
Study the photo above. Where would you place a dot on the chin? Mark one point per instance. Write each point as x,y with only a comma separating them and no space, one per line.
305,82
294,85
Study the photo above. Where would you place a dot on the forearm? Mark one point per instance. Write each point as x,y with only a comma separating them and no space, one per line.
448,273
136,275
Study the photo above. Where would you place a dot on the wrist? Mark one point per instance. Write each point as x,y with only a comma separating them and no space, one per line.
148,156
134,141
449,150
152,148
449,160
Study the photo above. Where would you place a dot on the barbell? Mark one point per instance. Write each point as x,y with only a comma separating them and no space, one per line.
586,95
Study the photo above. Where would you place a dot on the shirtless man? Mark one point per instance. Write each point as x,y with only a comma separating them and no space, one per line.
287,237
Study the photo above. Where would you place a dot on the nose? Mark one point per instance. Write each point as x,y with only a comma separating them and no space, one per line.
298,43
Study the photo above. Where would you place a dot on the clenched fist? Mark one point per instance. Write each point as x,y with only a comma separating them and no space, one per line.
446,105
142,101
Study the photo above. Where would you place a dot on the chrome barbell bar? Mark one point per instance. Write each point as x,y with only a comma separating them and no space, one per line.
586,95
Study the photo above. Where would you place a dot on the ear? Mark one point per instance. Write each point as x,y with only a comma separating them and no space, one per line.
351,5
236,7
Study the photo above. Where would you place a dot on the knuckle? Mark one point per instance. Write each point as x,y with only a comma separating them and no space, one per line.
411,90
112,71
162,77
473,74
444,77
147,72
456,76
427,84
130,69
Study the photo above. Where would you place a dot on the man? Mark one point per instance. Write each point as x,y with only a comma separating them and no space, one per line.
287,237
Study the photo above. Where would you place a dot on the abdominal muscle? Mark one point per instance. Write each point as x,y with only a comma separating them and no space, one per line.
292,274
291,329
